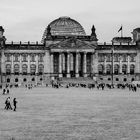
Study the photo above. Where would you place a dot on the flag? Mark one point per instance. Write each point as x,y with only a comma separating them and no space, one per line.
120,29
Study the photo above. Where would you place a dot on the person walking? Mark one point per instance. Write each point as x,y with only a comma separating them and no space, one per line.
8,104
15,104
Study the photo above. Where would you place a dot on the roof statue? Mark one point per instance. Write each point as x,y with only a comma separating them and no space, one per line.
93,30
93,34
1,29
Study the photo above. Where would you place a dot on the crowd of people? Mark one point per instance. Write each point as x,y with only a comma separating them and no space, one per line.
8,106
57,84
102,86
5,91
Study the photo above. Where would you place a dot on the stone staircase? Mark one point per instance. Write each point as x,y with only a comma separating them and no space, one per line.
84,80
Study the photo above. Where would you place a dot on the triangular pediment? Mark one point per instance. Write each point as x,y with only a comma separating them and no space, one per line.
72,43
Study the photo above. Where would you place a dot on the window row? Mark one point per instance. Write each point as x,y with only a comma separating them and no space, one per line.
24,80
116,58
25,69
117,79
101,69
24,58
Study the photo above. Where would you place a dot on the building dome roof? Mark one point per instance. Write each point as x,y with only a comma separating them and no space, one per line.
65,26
137,29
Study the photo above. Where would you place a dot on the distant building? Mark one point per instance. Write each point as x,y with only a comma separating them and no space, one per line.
67,52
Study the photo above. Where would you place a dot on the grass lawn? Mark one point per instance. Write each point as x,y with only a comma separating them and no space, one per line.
71,114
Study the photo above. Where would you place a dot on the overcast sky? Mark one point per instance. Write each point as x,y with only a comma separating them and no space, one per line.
26,20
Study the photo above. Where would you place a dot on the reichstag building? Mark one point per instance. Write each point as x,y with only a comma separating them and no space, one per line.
66,52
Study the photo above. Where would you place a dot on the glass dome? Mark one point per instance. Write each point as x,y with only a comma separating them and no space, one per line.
65,26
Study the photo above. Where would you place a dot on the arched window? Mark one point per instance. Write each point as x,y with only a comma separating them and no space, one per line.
8,69
100,69
116,69
16,69
24,80
24,69
125,79
40,69
33,79
33,69
132,69
8,80
16,80
133,79
124,69
108,69
117,79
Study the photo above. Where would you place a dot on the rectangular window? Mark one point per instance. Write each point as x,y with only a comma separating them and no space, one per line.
101,58
108,58
24,58
8,58
16,58
116,58
32,58
132,58
40,58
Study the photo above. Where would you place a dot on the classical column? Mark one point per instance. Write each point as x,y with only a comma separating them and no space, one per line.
12,63
92,63
77,65
71,62
68,65
63,62
60,64
95,63
128,64
36,61
28,56
20,63
120,58
137,69
105,64
52,69
85,64
2,62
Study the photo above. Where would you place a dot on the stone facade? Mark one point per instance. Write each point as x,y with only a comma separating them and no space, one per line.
72,54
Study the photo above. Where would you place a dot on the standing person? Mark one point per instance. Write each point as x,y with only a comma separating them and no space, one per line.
4,91
14,103
8,104
7,91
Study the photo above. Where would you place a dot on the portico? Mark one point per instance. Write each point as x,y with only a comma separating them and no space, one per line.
71,63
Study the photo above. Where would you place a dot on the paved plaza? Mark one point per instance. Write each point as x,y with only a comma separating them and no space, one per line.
71,114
